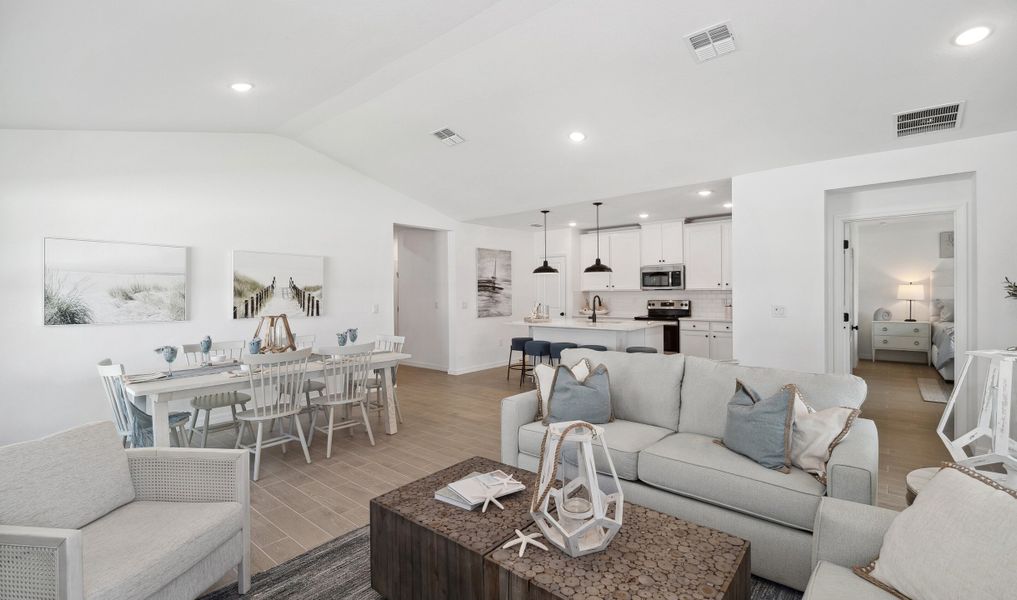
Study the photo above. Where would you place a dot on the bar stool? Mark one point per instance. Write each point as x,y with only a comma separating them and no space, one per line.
557,347
641,350
518,345
596,347
537,350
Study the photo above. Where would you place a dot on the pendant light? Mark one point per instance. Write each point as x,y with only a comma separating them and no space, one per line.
545,269
598,267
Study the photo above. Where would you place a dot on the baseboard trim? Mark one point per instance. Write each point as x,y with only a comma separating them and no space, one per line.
475,368
424,365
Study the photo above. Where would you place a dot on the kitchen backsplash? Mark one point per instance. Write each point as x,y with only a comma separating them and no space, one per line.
705,304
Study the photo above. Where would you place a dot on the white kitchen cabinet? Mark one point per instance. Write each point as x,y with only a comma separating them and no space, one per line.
708,339
708,255
661,243
618,250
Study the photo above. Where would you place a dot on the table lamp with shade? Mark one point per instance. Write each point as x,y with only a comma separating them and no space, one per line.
910,292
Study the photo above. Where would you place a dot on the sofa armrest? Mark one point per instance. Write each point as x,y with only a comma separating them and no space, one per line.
853,468
516,411
41,560
847,533
190,475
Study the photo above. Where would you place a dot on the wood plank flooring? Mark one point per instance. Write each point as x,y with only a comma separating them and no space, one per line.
297,506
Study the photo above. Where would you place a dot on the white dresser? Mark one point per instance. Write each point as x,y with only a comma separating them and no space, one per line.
901,335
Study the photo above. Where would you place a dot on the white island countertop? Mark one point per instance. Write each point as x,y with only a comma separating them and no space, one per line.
602,324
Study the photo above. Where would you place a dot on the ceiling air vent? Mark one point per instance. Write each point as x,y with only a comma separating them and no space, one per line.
712,42
448,137
927,120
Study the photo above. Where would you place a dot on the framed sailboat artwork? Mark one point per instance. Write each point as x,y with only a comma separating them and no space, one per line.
494,283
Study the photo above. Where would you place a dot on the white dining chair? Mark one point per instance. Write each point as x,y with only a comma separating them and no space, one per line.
131,423
233,350
386,343
346,370
272,376
310,385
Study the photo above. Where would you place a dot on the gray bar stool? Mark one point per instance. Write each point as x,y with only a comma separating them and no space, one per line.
557,347
518,345
641,350
596,347
536,350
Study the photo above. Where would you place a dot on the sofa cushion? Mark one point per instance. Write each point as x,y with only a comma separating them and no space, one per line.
587,399
833,582
708,385
625,439
645,388
694,466
64,480
140,547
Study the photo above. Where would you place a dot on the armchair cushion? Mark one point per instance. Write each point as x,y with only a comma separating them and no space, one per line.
65,480
140,547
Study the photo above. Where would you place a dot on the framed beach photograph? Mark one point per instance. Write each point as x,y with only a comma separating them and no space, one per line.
494,283
94,282
271,283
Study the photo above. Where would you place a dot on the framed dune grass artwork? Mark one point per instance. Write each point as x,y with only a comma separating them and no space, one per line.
271,283
494,283
90,282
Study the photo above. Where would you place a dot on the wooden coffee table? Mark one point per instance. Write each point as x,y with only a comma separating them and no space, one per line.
423,548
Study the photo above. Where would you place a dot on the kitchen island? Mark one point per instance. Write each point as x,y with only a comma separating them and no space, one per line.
615,334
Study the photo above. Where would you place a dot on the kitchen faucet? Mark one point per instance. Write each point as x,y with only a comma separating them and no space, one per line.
596,299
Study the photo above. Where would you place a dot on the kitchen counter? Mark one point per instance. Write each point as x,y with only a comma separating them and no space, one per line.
616,334
604,324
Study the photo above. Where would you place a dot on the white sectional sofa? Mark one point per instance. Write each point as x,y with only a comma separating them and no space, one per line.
668,410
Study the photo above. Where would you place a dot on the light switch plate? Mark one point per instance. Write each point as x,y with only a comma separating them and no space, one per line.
778,311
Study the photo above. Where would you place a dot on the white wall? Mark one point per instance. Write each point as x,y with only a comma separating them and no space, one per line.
888,253
423,295
779,244
213,193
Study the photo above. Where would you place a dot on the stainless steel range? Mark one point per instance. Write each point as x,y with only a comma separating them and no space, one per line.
668,310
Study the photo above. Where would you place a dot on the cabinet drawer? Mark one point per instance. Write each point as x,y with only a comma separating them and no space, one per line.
900,342
694,325
912,329
720,326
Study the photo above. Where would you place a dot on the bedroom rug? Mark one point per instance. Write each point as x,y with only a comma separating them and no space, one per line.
934,390
342,569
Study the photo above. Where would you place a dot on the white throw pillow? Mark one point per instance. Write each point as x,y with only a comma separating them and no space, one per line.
956,541
544,374
816,434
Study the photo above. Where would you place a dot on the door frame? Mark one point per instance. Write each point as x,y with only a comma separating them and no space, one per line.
964,294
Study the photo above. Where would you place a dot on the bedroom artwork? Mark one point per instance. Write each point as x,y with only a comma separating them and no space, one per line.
494,283
93,282
269,283
945,244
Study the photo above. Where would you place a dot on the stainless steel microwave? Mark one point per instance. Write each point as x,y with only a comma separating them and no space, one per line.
662,277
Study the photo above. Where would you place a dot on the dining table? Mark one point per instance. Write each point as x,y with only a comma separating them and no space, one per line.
154,395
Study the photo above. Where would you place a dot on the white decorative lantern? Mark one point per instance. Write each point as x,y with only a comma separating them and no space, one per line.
993,418
583,518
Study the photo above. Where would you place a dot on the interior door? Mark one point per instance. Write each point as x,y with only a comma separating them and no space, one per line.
551,290
846,315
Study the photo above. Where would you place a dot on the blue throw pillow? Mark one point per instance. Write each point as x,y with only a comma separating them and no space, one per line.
761,428
572,399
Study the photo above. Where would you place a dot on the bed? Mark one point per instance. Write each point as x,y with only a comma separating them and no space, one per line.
942,318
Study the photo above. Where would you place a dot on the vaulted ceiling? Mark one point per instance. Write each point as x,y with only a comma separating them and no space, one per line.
366,81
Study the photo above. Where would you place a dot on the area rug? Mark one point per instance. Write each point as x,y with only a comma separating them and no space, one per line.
934,390
342,569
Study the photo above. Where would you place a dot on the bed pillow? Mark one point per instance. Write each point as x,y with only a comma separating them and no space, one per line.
946,313
544,375
816,433
760,428
574,399
955,541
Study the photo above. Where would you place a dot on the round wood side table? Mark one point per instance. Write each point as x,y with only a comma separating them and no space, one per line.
916,480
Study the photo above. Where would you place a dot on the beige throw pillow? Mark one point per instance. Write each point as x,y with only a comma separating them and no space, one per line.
956,541
816,434
544,374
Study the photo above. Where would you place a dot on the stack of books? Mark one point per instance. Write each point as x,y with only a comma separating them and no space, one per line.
471,491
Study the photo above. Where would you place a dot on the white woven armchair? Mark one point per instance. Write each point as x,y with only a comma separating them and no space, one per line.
82,518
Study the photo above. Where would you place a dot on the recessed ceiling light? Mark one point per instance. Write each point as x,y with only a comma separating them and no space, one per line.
728,205
972,36
572,223
643,215
705,193
577,136
242,87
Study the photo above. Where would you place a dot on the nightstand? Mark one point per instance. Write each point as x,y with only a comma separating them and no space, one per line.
902,335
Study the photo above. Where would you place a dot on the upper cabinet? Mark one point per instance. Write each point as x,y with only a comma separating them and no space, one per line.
661,243
619,250
708,255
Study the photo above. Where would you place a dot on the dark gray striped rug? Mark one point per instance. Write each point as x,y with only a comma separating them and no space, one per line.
342,569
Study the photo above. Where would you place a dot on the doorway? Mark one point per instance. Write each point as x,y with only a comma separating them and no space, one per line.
421,296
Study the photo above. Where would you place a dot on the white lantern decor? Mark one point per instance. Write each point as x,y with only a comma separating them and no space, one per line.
583,518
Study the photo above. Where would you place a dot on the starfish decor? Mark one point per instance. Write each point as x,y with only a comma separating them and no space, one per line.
491,498
523,539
